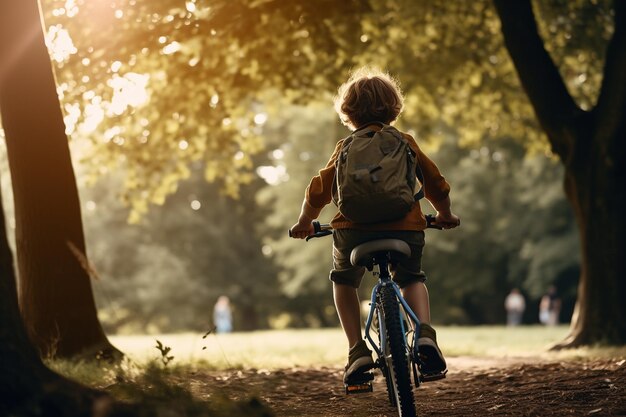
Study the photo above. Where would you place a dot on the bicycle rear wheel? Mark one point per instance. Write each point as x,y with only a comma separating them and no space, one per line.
384,363
396,357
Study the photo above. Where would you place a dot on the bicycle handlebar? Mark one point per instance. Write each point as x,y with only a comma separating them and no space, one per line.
321,230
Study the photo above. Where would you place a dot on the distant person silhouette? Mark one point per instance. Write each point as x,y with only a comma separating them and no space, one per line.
222,315
514,304
550,307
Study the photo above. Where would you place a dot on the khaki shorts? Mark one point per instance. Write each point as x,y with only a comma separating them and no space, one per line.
407,272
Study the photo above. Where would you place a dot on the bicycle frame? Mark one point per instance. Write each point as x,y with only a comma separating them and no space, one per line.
384,279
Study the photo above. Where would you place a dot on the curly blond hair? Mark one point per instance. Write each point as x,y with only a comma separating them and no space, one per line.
369,95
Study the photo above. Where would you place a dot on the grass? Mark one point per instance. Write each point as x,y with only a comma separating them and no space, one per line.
274,349
520,342
270,349
499,341
148,388
154,389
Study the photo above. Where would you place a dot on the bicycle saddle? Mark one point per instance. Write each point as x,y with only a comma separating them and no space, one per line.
363,254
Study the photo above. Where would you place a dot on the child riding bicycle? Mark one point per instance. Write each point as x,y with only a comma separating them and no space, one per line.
368,102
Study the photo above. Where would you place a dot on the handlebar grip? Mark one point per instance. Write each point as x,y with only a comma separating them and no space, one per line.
318,231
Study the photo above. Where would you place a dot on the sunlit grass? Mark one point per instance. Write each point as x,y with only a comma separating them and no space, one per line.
517,342
328,347
499,341
260,350
92,374
153,387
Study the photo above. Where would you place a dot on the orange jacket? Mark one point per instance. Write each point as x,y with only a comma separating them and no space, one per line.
436,189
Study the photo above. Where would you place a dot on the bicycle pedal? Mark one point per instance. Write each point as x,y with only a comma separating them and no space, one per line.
433,377
360,384
359,388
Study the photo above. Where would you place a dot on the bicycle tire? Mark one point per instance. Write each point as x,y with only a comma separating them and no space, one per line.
399,369
391,389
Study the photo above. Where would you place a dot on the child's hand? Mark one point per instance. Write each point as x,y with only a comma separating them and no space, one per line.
302,229
447,220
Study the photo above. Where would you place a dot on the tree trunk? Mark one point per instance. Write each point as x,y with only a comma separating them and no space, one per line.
22,370
592,147
597,191
55,293
27,387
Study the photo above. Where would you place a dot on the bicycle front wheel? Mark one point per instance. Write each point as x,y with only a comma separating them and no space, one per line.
396,357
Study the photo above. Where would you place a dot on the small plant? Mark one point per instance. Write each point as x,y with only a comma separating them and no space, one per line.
211,330
164,350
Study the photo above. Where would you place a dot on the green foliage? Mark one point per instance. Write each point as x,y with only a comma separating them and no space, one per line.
155,87
165,273
303,139
202,68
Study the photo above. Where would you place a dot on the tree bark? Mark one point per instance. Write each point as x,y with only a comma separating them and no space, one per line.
591,147
55,293
22,369
27,386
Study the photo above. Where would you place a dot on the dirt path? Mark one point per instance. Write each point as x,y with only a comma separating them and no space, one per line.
474,387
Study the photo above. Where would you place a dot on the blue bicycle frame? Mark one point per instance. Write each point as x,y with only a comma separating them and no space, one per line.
384,279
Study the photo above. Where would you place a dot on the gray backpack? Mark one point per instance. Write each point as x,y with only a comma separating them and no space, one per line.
376,176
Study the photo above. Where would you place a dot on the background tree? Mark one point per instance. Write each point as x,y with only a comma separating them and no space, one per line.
299,142
518,231
56,299
590,144
166,272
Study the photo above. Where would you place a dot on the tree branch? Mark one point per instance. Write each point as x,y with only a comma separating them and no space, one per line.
611,106
540,78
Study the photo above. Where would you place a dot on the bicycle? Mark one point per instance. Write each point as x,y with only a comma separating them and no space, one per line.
396,325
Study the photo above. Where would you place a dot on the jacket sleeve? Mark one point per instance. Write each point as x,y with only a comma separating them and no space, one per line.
436,188
320,189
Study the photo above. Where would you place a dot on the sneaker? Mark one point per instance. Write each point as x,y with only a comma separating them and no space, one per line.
359,361
431,358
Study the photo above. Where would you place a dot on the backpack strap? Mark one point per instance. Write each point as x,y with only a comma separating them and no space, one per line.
418,170
418,173
420,177
344,145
